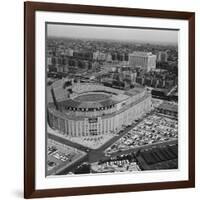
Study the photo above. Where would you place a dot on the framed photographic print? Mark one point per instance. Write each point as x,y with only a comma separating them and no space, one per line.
109,100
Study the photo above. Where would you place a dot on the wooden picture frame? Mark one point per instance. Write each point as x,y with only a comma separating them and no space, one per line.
30,8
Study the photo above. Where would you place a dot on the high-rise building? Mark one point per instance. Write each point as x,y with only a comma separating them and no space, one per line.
69,52
162,56
108,57
144,60
99,55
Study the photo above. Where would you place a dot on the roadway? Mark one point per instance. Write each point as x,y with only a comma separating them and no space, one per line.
172,90
68,142
148,146
94,155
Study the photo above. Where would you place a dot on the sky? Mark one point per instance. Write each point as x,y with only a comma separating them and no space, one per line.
113,33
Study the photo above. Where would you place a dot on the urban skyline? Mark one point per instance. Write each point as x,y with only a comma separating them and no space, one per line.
112,104
160,36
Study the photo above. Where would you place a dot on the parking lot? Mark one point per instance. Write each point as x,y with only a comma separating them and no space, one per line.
122,163
60,156
151,130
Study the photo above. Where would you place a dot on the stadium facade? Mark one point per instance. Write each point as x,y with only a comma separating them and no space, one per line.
92,109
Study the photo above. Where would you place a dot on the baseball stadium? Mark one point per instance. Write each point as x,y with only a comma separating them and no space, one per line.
91,109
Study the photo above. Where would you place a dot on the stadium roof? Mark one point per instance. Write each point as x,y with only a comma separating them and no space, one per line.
88,96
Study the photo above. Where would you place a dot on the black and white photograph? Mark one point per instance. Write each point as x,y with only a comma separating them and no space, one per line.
111,99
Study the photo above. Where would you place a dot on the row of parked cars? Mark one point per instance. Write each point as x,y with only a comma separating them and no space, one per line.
152,129
62,156
116,164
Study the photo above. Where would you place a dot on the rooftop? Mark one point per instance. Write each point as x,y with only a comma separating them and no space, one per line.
141,53
89,96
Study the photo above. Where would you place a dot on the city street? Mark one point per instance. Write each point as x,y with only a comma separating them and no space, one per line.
97,87
94,155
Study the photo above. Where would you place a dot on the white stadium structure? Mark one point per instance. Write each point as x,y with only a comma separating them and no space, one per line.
88,109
